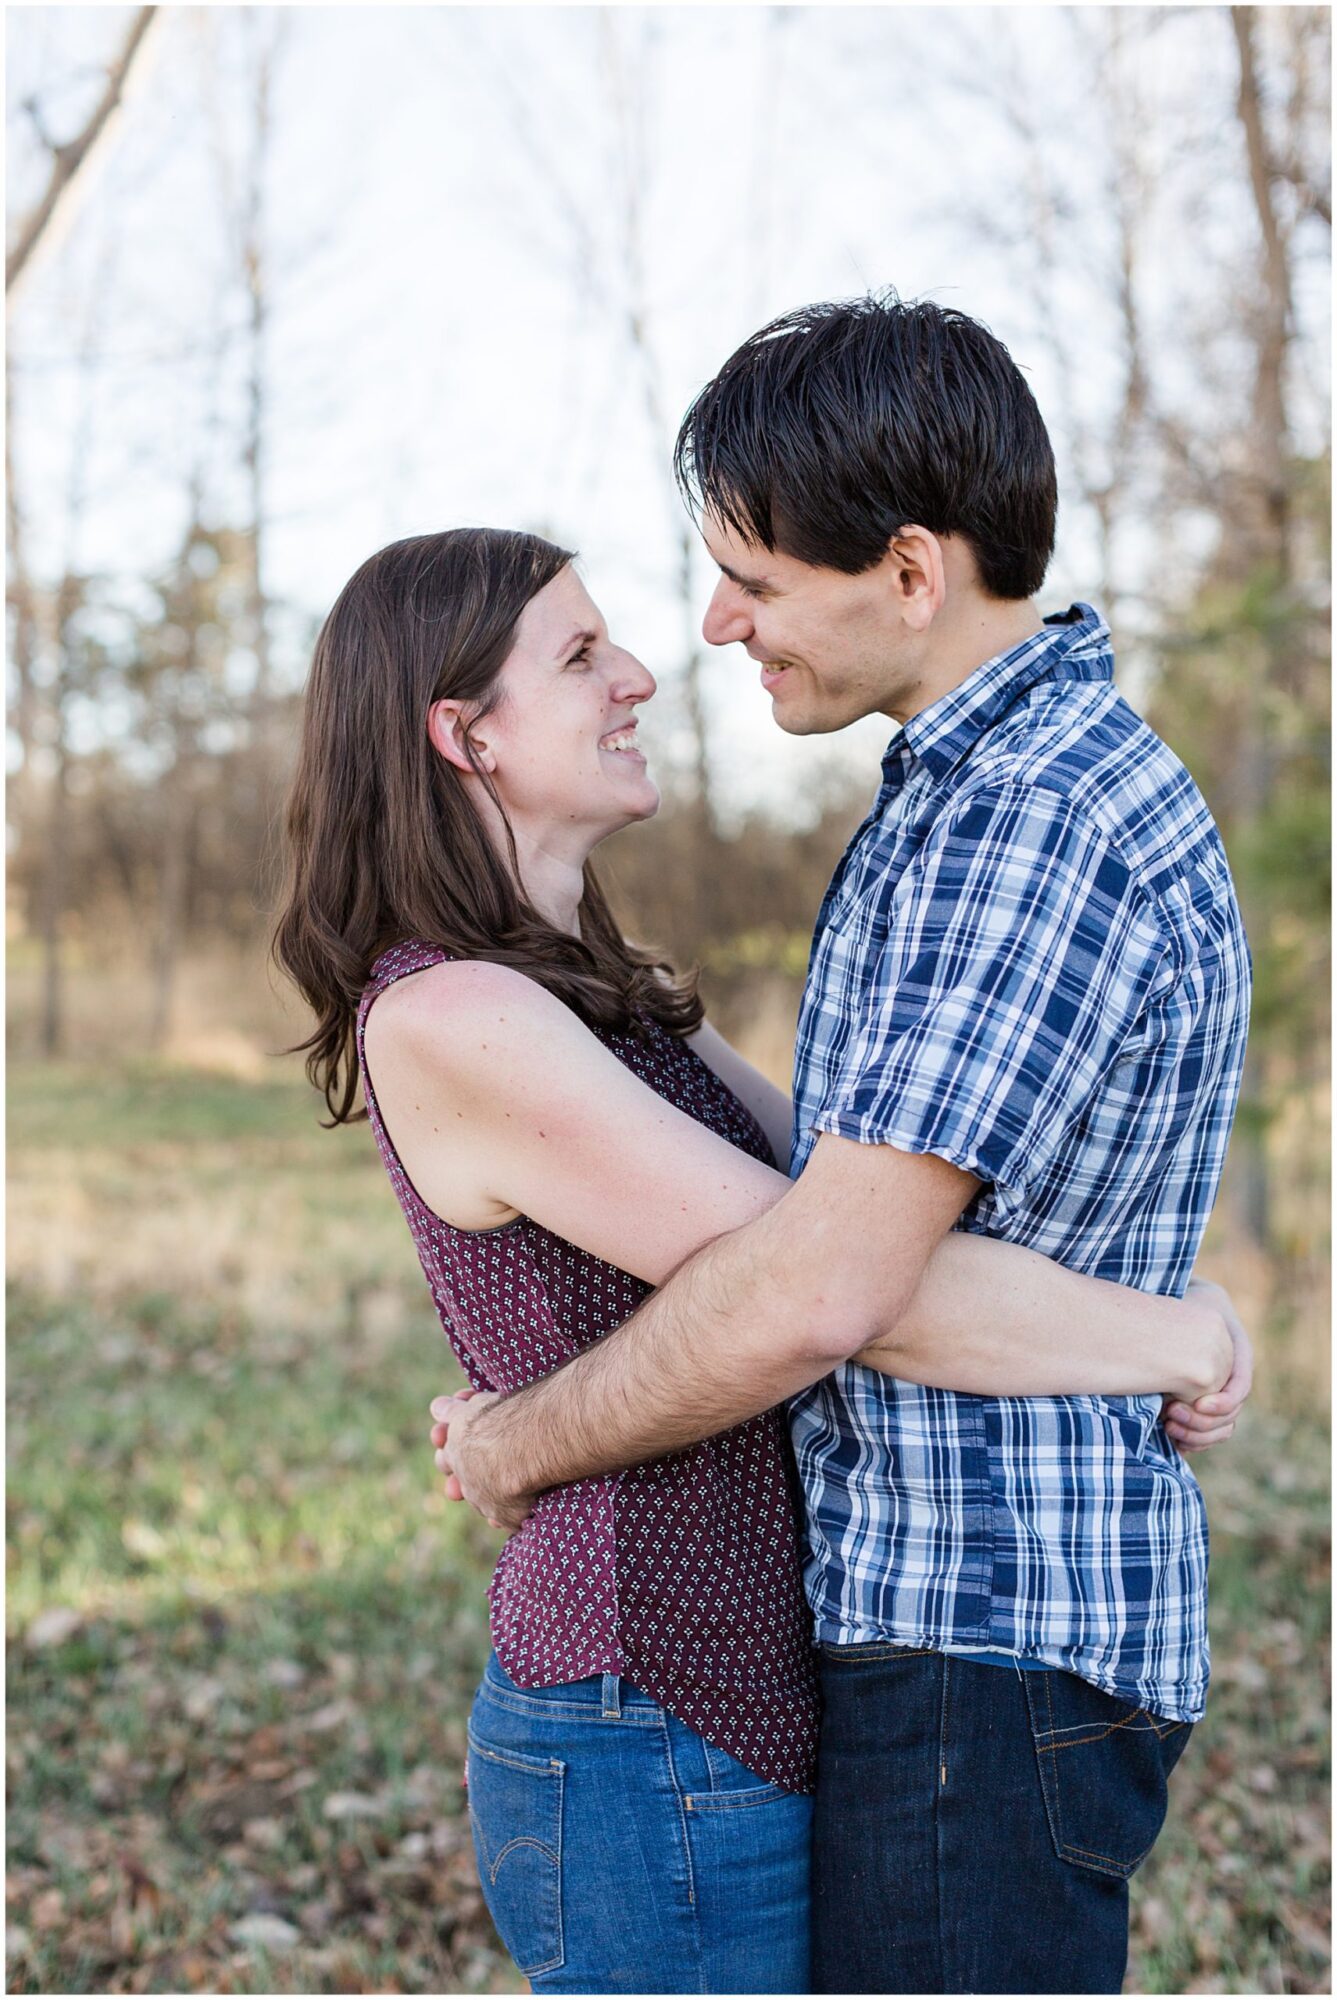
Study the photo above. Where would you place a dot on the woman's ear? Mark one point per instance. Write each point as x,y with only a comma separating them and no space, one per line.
447,728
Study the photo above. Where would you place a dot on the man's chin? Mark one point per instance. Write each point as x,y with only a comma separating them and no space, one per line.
796,721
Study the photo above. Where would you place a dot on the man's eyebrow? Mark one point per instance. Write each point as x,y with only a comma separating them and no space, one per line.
747,582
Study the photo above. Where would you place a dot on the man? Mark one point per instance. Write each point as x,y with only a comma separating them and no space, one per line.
1025,1015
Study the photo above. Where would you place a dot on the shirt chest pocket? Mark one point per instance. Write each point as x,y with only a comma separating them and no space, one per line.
851,937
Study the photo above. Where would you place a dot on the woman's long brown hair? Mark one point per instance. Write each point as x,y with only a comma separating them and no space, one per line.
383,841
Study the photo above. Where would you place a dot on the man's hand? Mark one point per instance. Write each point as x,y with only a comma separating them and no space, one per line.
470,1473
1211,1420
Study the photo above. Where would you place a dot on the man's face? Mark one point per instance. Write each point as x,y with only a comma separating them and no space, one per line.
831,648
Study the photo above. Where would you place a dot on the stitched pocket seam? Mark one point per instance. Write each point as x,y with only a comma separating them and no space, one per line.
548,1768
761,1795
571,1711
1051,1790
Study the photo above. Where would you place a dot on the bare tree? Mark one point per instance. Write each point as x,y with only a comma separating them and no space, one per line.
264,42
180,671
70,654
1260,537
243,179
627,77
70,159
614,272
21,600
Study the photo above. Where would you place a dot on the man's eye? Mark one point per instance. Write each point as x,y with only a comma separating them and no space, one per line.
750,590
581,658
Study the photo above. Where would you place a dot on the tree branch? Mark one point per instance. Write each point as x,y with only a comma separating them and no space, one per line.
67,159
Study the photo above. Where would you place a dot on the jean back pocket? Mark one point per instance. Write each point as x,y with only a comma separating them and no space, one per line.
515,1811
1104,1768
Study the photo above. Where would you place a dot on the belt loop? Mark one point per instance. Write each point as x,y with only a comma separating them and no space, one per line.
612,1706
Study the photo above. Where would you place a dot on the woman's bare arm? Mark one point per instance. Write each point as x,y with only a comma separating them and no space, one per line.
772,1108
476,1064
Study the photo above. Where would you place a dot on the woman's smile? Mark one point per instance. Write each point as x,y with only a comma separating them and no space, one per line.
621,742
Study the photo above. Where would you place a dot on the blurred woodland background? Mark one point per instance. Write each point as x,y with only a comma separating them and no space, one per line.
285,284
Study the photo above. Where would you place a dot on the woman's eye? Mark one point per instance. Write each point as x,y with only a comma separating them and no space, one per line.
581,658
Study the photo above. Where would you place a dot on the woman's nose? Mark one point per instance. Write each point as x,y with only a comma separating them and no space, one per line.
635,682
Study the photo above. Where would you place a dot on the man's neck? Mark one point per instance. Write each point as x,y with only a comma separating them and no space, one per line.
965,641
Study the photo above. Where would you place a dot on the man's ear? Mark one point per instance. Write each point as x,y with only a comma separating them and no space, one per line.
919,575
447,727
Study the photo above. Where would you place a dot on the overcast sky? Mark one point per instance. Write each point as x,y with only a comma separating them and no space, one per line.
446,276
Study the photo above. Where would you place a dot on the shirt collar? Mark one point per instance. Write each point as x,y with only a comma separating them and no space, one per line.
1073,645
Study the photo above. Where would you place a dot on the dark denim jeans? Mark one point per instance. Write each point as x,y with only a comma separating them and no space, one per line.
620,1852
976,1826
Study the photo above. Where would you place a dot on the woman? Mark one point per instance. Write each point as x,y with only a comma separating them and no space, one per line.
641,1747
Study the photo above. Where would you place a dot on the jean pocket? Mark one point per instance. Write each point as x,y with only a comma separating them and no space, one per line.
515,1811
755,1795
1104,1768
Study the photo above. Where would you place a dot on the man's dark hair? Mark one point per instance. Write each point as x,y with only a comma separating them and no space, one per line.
838,425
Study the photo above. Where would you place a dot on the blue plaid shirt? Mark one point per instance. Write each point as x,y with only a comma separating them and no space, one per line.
1030,962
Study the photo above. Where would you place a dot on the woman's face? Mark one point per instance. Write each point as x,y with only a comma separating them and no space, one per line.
562,741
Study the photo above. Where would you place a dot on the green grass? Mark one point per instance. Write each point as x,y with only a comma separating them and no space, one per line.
146,1103
220,1357
1235,1896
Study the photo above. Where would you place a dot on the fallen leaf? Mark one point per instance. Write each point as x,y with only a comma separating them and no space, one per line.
202,1697
144,1891
48,1910
53,1627
332,1716
318,1916
283,1673
142,1539
352,1805
262,1928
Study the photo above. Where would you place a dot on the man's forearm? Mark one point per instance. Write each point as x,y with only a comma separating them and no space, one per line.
717,1343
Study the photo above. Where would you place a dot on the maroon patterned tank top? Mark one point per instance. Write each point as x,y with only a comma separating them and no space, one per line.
682,1576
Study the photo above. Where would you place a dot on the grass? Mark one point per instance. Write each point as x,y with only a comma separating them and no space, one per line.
245,1626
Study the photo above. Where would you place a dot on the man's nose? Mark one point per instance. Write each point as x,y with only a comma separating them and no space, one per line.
727,620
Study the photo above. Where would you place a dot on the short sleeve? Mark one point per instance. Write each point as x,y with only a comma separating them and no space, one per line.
1020,953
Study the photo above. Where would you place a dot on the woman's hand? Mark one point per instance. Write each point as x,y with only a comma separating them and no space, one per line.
466,1476
440,1432
1211,1420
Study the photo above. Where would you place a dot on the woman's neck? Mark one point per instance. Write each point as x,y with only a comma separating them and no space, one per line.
553,880
552,866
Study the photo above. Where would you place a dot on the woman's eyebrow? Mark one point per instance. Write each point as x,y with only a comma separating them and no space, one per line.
577,638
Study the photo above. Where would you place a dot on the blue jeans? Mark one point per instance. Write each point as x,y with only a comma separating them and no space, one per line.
619,1852
976,1826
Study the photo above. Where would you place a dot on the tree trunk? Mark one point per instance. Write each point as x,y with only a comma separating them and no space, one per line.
253,447
171,903
1266,550
69,161
54,871
24,632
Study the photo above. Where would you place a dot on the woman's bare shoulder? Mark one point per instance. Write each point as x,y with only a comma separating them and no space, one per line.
452,1014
